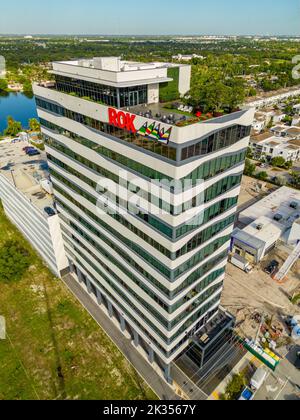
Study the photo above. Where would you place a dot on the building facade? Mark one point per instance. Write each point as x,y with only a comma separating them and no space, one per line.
156,261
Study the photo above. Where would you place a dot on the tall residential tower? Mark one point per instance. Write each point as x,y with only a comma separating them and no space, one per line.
157,268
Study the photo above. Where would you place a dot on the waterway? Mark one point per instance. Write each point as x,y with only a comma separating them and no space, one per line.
17,105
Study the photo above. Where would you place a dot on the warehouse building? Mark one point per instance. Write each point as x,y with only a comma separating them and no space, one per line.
273,219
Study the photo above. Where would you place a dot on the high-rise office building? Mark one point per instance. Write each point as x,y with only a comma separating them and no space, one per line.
153,253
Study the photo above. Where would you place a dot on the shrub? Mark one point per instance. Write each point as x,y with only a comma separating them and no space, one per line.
262,176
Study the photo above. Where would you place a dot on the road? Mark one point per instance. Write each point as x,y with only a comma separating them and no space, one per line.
284,384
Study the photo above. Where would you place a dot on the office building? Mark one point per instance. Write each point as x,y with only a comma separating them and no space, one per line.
156,261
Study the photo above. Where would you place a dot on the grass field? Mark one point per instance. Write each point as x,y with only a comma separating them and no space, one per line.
54,349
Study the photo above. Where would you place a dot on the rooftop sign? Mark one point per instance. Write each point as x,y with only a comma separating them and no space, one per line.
126,121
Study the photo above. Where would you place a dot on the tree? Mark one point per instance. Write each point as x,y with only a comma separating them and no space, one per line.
249,153
295,179
27,87
34,124
278,162
13,127
250,168
234,388
262,176
14,261
3,85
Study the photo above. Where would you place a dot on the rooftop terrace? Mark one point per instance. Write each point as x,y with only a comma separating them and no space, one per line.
25,172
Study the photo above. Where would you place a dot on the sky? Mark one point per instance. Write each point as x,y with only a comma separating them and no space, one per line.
153,17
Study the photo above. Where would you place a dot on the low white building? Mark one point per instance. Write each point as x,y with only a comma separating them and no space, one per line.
24,201
270,146
278,117
255,241
275,218
272,99
259,125
187,58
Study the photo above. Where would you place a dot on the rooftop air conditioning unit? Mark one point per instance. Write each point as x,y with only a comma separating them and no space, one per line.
278,217
260,226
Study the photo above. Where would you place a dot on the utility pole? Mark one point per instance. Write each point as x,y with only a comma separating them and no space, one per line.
259,329
13,177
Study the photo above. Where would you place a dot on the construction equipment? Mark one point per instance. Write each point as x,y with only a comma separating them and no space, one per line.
283,272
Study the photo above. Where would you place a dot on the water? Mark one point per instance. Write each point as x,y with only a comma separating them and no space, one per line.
17,105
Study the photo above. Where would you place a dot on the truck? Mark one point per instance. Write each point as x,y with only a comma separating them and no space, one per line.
241,263
258,379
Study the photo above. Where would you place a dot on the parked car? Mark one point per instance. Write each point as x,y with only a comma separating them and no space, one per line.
272,267
27,148
33,153
49,211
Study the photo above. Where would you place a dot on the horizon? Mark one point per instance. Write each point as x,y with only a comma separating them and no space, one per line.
149,35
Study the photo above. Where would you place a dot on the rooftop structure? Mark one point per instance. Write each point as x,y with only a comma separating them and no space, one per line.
277,203
274,218
118,73
26,172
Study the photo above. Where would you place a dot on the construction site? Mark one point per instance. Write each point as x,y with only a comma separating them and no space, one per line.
265,296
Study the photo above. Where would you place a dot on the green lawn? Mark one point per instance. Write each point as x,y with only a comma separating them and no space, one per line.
54,349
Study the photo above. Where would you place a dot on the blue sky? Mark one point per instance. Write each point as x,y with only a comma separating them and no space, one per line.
151,17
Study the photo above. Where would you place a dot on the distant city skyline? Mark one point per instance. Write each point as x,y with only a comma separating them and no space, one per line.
193,17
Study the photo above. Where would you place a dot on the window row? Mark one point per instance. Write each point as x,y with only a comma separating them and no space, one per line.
169,325
168,293
217,189
205,171
108,95
217,141
209,214
141,315
137,140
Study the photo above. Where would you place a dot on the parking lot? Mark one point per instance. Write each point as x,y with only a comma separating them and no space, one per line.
284,384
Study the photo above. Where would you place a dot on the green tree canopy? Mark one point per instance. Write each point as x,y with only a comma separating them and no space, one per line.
3,85
13,127
295,179
14,261
279,162
234,388
250,168
34,124
262,176
211,91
